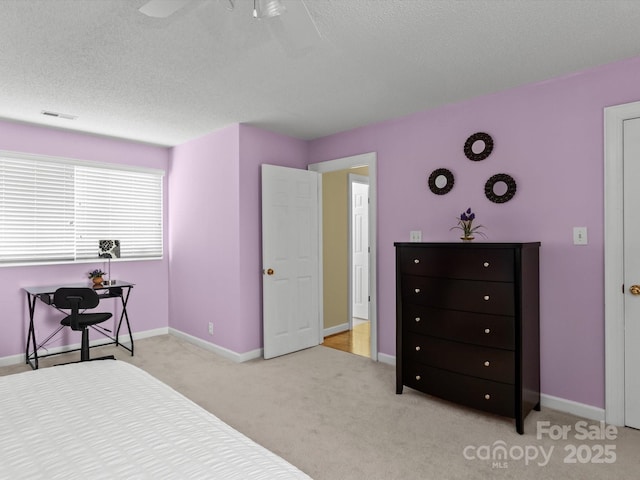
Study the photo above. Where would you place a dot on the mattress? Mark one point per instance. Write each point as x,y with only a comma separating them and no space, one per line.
111,420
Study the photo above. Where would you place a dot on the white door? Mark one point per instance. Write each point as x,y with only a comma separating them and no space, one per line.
359,246
290,256
631,151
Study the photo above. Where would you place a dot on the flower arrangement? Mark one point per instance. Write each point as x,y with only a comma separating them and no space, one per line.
97,273
465,223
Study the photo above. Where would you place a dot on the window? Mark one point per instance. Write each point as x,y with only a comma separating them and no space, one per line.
56,210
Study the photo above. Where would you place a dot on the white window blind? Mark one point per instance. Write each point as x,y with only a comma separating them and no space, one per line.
57,210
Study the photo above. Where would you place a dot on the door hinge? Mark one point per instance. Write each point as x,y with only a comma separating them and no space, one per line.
623,288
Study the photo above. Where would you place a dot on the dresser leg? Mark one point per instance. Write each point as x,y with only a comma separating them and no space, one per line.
537,407
520,425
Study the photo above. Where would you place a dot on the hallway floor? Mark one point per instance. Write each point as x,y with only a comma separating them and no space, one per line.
355,341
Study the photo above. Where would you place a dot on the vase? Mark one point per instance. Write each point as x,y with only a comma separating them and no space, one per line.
467,239
97,280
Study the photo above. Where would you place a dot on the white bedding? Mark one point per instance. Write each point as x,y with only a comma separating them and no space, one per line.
111,420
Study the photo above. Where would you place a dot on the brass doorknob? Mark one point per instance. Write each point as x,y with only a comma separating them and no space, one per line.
269,271
634,289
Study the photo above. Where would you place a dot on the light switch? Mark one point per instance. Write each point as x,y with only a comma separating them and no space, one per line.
580,236
415,236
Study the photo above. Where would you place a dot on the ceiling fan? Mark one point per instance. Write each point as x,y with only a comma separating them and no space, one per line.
261,8
291,23
166,8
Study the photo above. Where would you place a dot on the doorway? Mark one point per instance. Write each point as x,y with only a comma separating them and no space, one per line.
621,138
337,307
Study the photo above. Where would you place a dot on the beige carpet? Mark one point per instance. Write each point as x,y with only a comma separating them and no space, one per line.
336,416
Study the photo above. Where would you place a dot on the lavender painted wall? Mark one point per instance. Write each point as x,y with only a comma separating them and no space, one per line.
203,237
549,137
215,230
147,310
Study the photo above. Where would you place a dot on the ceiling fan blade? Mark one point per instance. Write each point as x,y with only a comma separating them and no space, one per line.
295,30
162,8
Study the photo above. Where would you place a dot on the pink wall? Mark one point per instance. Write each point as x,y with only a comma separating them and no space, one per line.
203,233
147,310
549,137
215,232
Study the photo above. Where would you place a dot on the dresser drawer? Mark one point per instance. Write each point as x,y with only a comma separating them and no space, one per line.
459,262
468,295
484,362
469,327
486,395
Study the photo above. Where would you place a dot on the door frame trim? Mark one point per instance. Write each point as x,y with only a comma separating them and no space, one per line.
370,160
614,118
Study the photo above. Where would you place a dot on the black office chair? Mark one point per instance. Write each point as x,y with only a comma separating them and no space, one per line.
76,299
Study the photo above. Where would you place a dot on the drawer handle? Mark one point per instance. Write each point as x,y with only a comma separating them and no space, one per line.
485,264
417,290
486,297
487,330
418,348
417,377
415,260
487,396
417,319
486,363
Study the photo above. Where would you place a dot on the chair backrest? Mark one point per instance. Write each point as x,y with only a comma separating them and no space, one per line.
67,297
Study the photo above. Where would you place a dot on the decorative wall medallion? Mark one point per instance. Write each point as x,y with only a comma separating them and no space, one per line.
480,142
441,181
500,188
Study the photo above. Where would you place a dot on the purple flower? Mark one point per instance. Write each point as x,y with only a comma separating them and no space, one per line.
467,216
465,223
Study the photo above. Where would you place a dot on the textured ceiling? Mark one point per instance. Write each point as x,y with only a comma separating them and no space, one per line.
166,81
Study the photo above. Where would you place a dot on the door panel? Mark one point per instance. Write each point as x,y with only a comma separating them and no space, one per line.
290,255
632,272
360,249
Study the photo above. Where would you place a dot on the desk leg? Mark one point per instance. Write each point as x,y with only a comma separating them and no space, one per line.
125,316
31,334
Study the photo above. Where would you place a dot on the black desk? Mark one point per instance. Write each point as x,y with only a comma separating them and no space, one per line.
119,289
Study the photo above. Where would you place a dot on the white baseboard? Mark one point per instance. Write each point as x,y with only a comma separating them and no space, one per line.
20,358
212,347
343,327
12,360
388,359
574,408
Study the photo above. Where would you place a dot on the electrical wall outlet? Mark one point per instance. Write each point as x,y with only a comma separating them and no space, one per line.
210,328
415,236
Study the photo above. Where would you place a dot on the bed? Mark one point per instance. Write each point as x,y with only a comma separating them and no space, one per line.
111,420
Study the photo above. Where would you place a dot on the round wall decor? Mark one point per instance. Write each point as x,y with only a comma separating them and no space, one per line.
500,188
441,181
483,143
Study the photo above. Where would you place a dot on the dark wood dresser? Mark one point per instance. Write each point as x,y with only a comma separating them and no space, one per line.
467,324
